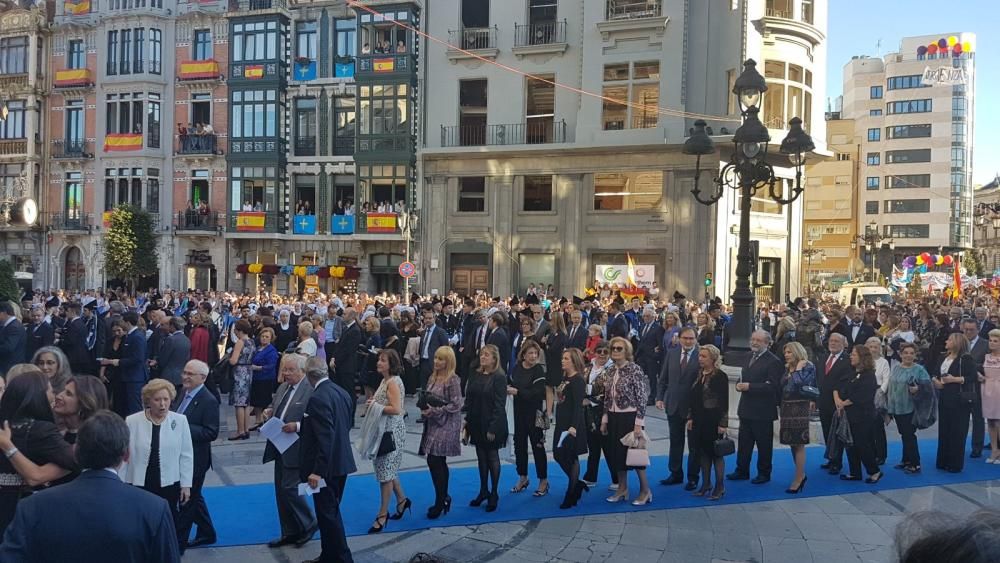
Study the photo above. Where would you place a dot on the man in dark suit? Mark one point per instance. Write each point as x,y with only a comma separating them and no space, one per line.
680,369
326,454
432,338
576,333
297,522
40,333
132,364
158,331
498,337
472,344
346,355
979,346
832,370
202,411
983,322
617,323
175,351
12,338
854,329
96,517
73,341
648,351
760,392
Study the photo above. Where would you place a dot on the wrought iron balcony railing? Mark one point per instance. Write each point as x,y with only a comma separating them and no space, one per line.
546,33
633,9
193,143
472,38
195,220
72,149
75,221
538,132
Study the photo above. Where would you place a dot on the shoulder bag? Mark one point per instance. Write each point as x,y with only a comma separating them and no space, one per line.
724,446
387,445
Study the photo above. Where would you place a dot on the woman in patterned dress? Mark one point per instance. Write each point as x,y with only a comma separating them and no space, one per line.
442,427
390,395
241,359
794,415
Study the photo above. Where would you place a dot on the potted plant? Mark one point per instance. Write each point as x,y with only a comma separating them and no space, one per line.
303,61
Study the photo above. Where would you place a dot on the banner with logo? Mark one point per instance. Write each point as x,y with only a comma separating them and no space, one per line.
944,76
645,274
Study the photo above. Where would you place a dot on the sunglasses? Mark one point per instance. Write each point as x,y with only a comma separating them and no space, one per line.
602,352
618,348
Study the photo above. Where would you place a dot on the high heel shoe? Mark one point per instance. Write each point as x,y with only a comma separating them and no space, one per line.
797,490
491,504
402,507
622,497
717,494
640,502
438,509
873,479
542,491
381,521
244,436
702,492
569,501
520,486
483,495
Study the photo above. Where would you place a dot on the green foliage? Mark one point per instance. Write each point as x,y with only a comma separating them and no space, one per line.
9,290
972,264
130,244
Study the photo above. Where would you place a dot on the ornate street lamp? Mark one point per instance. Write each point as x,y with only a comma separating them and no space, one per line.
747,171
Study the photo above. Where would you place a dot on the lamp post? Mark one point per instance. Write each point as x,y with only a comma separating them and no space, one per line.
747,172
809,253
407,220
872,242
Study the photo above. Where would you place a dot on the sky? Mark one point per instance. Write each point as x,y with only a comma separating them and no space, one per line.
856,26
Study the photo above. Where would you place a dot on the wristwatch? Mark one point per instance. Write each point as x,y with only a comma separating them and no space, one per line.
11,452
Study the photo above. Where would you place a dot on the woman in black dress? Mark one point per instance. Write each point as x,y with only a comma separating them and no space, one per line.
857,399
570,396
527,385
708,418
486,422
956,381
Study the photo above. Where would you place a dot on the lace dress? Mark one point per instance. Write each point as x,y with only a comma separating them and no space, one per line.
242,376
387,466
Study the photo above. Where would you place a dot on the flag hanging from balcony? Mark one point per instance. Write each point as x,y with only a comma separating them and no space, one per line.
381,222
77,7
122,142
250,221
304,225
342,224
305,70
72,77
253,71
384,65
198,69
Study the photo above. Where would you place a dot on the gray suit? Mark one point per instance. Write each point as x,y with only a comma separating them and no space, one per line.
175,351
674,389
978,353
293,510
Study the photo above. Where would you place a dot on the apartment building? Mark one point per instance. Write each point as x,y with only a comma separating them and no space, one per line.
24,48
527,181
915,112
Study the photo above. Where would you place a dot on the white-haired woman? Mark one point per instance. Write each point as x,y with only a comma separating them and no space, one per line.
708,418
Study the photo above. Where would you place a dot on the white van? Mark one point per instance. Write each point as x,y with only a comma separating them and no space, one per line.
864,294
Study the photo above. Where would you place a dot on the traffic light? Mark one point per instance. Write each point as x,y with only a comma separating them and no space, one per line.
708,279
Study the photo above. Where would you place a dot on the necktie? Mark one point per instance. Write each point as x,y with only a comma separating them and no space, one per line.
427,342
572,333
684,359
829,362
645,329
482,338
185,403
283,404
754,357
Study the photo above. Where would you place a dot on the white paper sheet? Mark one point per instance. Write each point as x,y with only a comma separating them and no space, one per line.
272,431
306,490
562,438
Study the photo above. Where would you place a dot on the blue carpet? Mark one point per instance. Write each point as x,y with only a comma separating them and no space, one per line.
246,514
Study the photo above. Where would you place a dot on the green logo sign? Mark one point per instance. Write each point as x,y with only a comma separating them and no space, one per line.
611,274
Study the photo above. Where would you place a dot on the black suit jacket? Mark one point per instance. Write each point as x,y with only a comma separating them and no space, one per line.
203,419
325,438
347,352
618,326
865,332
132,364
984,330
438,338
646,350
579,339
760,401
12,339
74,344
839,373
500,339
95,518
38,336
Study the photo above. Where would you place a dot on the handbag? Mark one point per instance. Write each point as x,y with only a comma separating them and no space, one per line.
222,374
426,399
637,457
809,392
964,395
724,446
387,445
541,420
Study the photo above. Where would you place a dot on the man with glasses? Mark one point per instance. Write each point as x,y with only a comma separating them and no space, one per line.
202,412
984,324
680,369
760,393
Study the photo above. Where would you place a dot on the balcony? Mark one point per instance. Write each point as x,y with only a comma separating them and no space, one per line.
72,149
255,222
242,6
272,147
193,220
13,147
539,132
305,146
199,71
343,146
15,81
779,18
480,41
194,145
75,222
385,64
73,79
633,15
540,38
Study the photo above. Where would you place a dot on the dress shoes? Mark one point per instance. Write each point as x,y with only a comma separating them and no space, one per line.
735,476
825,465
760,480
691,485
975,455
283,540
834,470
308,535
198,542
672,480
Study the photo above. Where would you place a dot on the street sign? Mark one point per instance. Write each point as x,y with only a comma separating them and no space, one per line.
407,269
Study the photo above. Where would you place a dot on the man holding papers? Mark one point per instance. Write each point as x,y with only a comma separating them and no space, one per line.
297,522
327,459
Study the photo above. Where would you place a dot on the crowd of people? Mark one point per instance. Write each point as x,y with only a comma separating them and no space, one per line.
494,374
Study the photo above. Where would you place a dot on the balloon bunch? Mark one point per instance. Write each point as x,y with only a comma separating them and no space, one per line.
927,259
323,272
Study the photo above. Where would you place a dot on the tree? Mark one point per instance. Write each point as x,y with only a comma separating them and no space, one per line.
130,245
9,290
972,264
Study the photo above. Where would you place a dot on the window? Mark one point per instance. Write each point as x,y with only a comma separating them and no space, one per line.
13,126
125,52
305,127
124,186
905,82
200,183
347,31
75,55
871,208
73,196
876,92
344,126
202,45
255,187
874,134
384,109
874,112
201,107
637,83
155,51
874,159
384,186
124,113
908,206
627,191
153,191
537,193
908,156
112,52
14,55
958,131
153,122
959,105
74,125
305,40
540,109
872,183
257,41
843,156
472,194
907,231
908,131
305,194
909,106
139,51
789,94
957,157
908,181
255,113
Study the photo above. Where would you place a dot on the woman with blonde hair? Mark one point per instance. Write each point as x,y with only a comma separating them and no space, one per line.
486,422
442,426
708,418
626,391
794,414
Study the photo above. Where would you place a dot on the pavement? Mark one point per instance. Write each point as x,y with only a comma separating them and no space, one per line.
846,528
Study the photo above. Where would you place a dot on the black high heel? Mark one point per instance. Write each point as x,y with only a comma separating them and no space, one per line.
569,501
406,504
381,521
438,509
483,495
491,504
798,489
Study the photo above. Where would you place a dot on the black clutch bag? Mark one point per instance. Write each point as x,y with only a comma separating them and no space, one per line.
426,399
386,446
724,446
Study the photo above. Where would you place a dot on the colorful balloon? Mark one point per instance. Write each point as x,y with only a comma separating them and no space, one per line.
939,260
952,41
921,50
909,261
967,46
942,43
927,257
923,269
920,260
948,260
932,49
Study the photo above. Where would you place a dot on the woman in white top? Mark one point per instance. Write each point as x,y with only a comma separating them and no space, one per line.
594,404
307,344
882,373
160,453
903,332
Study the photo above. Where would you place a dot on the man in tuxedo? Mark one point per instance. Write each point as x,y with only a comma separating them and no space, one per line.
833,370
202,411
853,328
297,522
680,369
448,320
498,337
39,333
73,341
983,322
175,351
576,334
617,323
978,348
472,344
12,338
132,364
433,337
346,356
760,392
96,517
326,454
648,351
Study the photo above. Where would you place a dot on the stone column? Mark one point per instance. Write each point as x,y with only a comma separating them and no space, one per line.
433,231
500,193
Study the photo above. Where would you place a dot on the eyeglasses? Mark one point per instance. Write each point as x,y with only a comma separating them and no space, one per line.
186,372
603,352
617,348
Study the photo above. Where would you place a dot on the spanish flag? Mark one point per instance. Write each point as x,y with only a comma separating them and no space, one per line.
72,77
958,279
250,221
253,71
122,142
381,222
198,69
77,7
384,65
